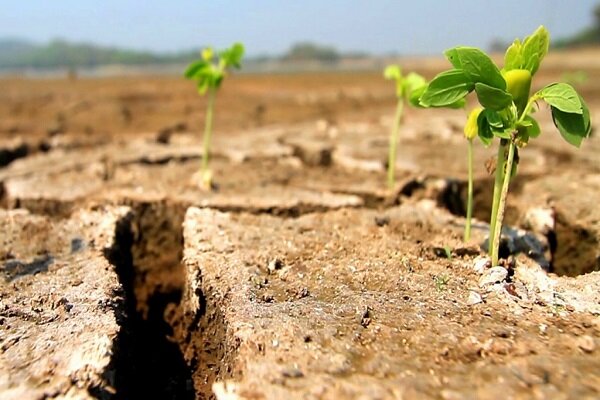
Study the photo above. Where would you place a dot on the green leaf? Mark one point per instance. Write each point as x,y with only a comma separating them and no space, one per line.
531,63
208,77
484,130
392,72
493,119
492,98
446,88
513,58
203,86
411,83
503,133
498,126
458,104
415,95
535,48
232,57
194,68
216,78
453,57
477,65
561,96
531,126
573,127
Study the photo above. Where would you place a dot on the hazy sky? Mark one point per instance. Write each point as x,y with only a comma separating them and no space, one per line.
270,26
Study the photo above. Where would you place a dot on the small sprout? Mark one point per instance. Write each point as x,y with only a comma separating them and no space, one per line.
405,261
441,282
209,72
504,95
408,89
448,252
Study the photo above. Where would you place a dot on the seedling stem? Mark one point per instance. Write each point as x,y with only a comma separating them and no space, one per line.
206,174
394,144
503,174
500,165
208,72
502,204
469,190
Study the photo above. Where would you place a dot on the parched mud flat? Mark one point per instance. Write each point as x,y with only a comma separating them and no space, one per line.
300,275
340,306
60,304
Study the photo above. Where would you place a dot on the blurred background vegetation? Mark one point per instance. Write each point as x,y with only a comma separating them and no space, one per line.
18,54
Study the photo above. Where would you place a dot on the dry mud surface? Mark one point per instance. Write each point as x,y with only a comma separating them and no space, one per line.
300,275
60,304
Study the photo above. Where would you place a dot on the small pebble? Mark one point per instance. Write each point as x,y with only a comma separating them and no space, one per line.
481,264
586,343
292,373
474,298
382,221
492,276
274,265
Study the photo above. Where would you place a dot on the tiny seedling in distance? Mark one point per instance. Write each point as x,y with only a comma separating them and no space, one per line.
508,107
208,72
408,90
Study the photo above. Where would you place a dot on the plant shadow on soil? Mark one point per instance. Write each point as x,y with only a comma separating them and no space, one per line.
146,363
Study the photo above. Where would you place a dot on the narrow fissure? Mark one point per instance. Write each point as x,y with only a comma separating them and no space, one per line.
147,360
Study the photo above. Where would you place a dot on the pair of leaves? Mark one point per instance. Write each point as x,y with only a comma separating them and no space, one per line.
209,71
409,87
447,88
206,75
232,57
492,124
529,53
476,65
570,114
473,70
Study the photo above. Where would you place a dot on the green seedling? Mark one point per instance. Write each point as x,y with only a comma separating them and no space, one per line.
448,252
208,72
408,90
441,282
507,107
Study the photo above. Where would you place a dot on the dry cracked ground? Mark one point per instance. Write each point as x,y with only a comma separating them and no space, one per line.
300,276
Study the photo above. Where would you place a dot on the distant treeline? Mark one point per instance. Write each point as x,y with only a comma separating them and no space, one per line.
19,54
22,54
15,53
588,36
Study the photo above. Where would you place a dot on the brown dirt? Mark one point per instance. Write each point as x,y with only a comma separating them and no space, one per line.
359,301
335,306
60,303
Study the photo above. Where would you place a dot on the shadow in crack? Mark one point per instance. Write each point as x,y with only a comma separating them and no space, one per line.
146,363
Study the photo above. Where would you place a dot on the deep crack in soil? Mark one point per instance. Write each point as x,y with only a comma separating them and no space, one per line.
147,361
